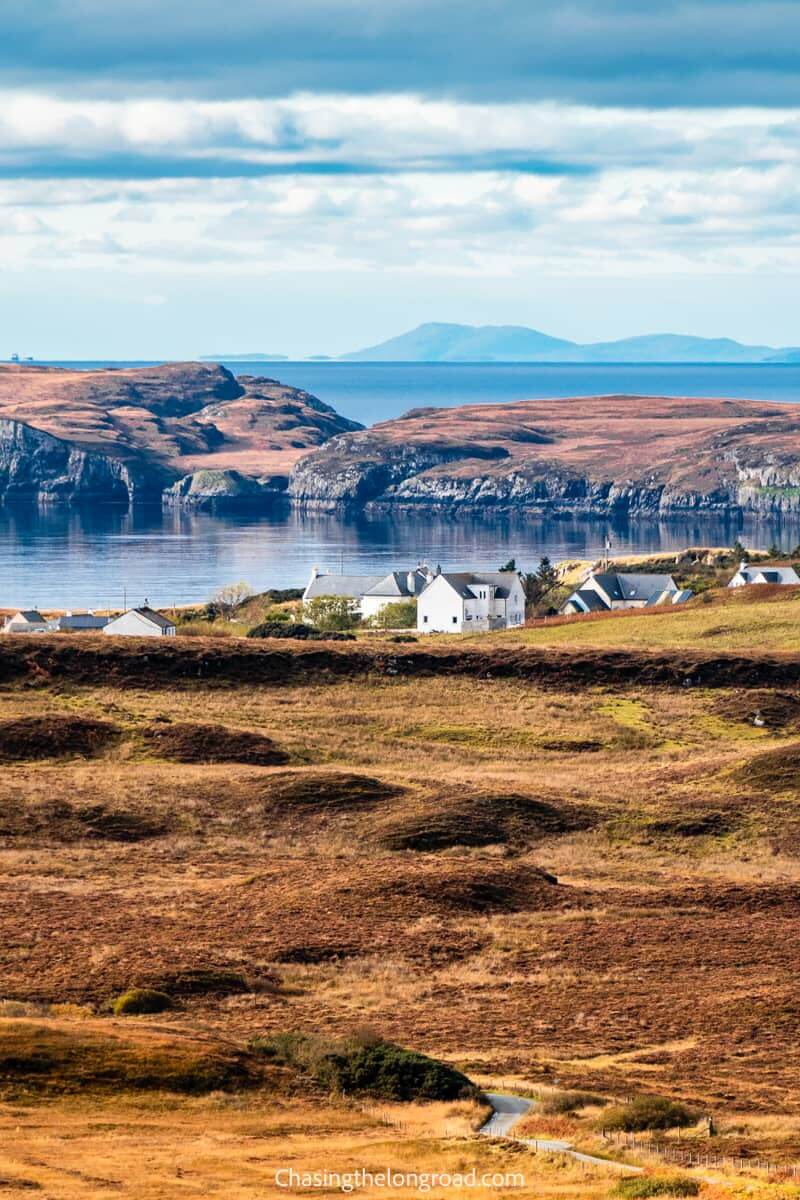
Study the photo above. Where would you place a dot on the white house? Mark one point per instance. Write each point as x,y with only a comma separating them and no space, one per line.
141,622
369,593
749,573
471,602
27,620
604,592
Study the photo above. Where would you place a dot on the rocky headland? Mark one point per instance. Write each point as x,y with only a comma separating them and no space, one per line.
185,433
192,435
595,455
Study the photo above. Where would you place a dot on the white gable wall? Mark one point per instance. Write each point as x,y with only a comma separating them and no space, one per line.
132,624
440,609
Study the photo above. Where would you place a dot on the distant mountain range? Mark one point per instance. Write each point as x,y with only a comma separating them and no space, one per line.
255,357
434,342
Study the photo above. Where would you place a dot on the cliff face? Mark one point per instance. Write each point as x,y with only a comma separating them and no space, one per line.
130,434
600,455
37,466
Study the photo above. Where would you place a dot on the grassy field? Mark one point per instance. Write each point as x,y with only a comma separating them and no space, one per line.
762,618
550,889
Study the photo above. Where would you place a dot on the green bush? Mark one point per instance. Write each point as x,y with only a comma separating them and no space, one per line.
399,615
140,1000
367,1066
649,1112
277,614
568,1102
642,1187
299,630
331,613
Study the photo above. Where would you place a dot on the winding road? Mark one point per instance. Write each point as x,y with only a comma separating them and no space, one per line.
508,1110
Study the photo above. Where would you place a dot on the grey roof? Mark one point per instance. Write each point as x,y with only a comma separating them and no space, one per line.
82,621
31,616
352,586
396,584
593,602
774,574
783,575
464,581
155,618
634,586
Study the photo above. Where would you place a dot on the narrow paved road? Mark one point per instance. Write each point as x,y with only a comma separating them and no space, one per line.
508,1110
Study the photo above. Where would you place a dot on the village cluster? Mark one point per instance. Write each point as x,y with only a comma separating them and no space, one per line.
443,601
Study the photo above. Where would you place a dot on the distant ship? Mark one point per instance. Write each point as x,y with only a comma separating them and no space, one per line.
15,358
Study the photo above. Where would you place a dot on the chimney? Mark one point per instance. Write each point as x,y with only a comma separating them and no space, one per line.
411,581
743,565
314,574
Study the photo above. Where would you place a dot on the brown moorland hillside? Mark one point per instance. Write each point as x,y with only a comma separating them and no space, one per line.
153,424
594,884
596,453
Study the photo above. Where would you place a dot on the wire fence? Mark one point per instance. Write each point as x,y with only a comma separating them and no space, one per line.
694,1158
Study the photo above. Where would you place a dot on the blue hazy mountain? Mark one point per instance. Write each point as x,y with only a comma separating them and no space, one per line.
256,357
436,342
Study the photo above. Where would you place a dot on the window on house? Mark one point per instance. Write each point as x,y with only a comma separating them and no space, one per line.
455,620
425,620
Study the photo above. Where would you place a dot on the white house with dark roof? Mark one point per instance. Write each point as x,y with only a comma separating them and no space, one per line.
141,622
607,591
27,620
471,602
369,593
750,573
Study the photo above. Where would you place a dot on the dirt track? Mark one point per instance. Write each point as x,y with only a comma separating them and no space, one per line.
140,663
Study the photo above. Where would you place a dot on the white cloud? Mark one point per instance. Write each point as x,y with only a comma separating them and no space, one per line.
455,188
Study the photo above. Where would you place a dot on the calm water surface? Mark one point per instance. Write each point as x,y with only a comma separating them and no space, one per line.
71,558
107,556
370,392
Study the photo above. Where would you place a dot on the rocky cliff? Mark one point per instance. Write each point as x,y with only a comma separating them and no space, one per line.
37,466
597,455
188,431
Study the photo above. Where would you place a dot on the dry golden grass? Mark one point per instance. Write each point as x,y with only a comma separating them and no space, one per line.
664,960
760,618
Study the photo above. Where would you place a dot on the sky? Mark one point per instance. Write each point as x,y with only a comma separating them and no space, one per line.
181,179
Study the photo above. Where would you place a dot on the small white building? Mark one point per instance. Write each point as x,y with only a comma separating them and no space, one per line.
471,602
369,593
27,620
607,591
140,622
750,573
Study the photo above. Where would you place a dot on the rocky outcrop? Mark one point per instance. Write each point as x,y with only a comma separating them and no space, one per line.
222,491
358,470
212,441
37,466
598,456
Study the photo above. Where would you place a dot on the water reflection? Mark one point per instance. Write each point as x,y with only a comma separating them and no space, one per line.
102,555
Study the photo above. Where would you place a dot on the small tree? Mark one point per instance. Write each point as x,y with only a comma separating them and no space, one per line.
739,552
331,613
539,584
400,615
774,551
228,599
511,565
